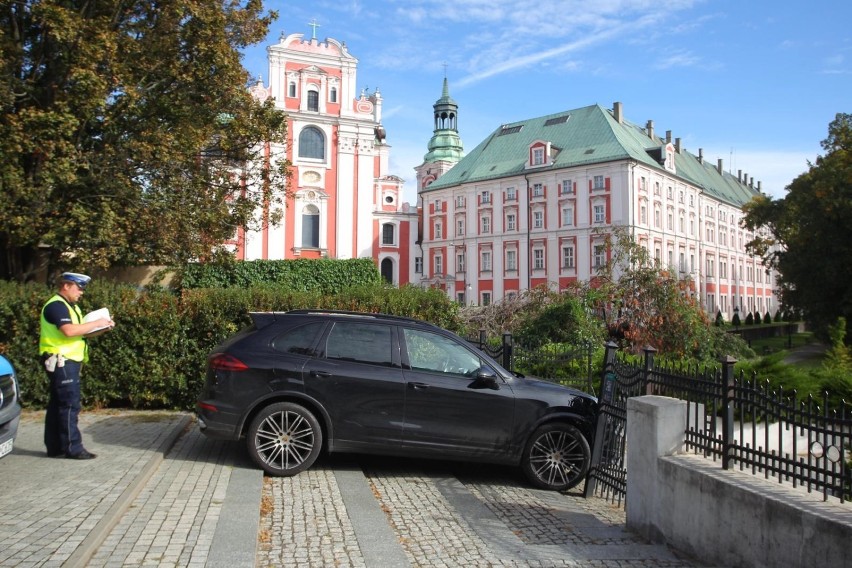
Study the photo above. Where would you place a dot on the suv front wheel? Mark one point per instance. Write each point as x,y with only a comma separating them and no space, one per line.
284,439
557,457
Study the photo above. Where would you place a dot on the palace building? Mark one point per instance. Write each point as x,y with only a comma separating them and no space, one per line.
532,204
343,202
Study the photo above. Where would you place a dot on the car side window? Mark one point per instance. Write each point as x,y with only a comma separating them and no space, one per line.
433,352
361,343
300,340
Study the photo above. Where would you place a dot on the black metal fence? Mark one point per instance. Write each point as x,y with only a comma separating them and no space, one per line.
571,367
739,422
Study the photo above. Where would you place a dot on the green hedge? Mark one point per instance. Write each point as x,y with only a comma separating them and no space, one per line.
155,357
307,275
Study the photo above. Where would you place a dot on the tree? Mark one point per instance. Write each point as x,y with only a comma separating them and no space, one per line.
126,127
645,304
807,236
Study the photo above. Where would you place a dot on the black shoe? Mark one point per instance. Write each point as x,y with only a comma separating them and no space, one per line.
56,454
84,455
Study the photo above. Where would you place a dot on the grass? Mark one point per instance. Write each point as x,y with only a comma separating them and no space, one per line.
806,377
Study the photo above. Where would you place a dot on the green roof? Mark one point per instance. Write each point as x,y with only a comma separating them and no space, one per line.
579,137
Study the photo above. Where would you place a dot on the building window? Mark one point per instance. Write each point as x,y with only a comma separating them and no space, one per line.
486,224
486,298
538,259
567,216
669,192
538,156
510,222
310,227
460,201
312,143
439,231
511,260
680,197
313,101
657,218
388,234
598,182
643,215
486,197
600,213
439,264
708,267
538,190
291,89
438,205
418,265
670,221
486,261
460,227
538,219
332,95
460,262
600,256
567,187
567,257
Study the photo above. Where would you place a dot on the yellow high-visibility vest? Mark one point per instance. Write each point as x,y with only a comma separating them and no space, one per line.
52,340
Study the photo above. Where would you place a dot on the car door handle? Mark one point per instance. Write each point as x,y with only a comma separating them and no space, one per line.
418,386
320,374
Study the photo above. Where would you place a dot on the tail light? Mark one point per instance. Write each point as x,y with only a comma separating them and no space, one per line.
225,362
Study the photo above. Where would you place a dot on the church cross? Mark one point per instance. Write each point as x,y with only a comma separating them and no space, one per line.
313,23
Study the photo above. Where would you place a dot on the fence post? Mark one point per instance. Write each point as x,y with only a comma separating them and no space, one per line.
646,372
728,363
507,351
608,384
483,339
590,372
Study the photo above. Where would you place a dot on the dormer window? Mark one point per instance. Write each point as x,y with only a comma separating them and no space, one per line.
538,156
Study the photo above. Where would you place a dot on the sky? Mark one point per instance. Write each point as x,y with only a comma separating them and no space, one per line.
753,82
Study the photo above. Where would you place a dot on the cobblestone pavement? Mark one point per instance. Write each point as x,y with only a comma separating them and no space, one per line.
446,515
161,494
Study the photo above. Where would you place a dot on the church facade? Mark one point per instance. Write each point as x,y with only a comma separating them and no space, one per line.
342,202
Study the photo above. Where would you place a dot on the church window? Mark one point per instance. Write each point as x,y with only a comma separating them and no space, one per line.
291,89
313,100
388,234
332,95
310,227
312,143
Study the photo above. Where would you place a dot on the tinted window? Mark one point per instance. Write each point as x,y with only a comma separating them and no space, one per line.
429,351
299,340
360,342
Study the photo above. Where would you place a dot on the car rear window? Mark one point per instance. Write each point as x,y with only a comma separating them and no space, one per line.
300,340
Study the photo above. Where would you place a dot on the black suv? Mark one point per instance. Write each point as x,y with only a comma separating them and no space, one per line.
296,382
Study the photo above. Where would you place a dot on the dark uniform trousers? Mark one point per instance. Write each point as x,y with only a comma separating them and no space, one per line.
61,434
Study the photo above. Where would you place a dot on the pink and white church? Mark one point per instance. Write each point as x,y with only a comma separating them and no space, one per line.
343,202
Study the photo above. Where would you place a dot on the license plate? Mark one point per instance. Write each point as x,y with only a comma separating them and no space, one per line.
5,447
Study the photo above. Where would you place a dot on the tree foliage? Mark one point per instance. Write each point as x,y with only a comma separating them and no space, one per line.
808,236
646,304
125,125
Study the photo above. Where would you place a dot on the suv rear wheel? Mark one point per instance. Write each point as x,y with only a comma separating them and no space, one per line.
557,457
284,439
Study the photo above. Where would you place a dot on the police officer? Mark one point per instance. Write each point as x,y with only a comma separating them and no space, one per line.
63,348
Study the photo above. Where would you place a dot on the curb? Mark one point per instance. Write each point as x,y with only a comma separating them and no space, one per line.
87,548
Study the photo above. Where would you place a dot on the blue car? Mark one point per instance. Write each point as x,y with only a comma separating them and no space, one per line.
10,407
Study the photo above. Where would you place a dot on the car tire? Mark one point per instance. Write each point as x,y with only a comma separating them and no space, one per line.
556,457
284,439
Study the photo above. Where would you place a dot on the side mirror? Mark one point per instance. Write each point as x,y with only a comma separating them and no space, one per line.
486,378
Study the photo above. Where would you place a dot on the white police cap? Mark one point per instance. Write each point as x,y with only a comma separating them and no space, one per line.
80,280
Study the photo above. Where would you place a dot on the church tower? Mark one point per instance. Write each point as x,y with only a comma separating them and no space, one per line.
445,147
